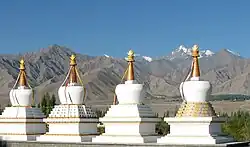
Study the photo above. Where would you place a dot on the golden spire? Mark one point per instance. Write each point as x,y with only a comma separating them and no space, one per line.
73,76
22,80
195,67
130,60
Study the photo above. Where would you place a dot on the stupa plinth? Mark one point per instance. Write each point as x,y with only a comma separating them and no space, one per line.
21,122
196,121
129,121
71,121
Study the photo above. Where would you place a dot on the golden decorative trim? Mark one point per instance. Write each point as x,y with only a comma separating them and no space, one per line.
131,56
21,133
22,117
130,60
130,135
70,117
73,60
73,105
9,122
193,109
22,64
22,106
72,75
67,122
48,134
195,66
70,122
22,79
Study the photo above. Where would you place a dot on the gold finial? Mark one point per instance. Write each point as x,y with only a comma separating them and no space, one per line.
131,56
73,60
22,65
73,76
22,80
195,67
130,60
195,51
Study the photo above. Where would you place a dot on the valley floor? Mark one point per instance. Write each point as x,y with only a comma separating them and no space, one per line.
219,106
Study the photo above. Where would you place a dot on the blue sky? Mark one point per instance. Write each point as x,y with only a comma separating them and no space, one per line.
150,27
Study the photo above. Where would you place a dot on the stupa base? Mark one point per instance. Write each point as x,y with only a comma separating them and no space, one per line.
65,138
125,139
70,123
21,123
174,139
195,130
131,123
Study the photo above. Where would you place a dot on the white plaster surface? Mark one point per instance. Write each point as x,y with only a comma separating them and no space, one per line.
195,130
75,123
130,93
20,97
71,94
197,91
64,138
19,137
21,112
21,123
131,123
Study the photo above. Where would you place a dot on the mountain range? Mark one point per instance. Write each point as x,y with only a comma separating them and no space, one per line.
226,70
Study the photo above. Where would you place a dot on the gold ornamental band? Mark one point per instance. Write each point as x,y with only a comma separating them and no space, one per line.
20,118
21,122
196,109
66,117
49,134
21,133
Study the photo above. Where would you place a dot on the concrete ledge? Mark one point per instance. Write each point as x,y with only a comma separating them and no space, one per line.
50,144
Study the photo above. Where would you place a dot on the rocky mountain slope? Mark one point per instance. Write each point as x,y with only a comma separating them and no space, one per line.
227,71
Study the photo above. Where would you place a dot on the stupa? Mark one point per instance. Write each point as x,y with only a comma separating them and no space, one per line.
71,121
21,122
196,121
130,121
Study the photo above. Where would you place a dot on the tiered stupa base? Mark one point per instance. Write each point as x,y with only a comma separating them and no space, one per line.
21,123
195,123
132,123
71,123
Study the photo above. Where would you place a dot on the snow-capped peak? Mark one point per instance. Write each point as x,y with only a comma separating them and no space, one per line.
209,53
149,59
232,52
183,51
106,55
183,48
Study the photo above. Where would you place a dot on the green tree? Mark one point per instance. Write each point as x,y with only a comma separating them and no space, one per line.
1,109
38,105
162,128
238,126
44,104
47,103
53,100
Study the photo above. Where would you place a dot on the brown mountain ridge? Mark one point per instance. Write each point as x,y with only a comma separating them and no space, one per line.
47,68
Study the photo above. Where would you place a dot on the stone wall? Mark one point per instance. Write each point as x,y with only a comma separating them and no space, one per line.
42,144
